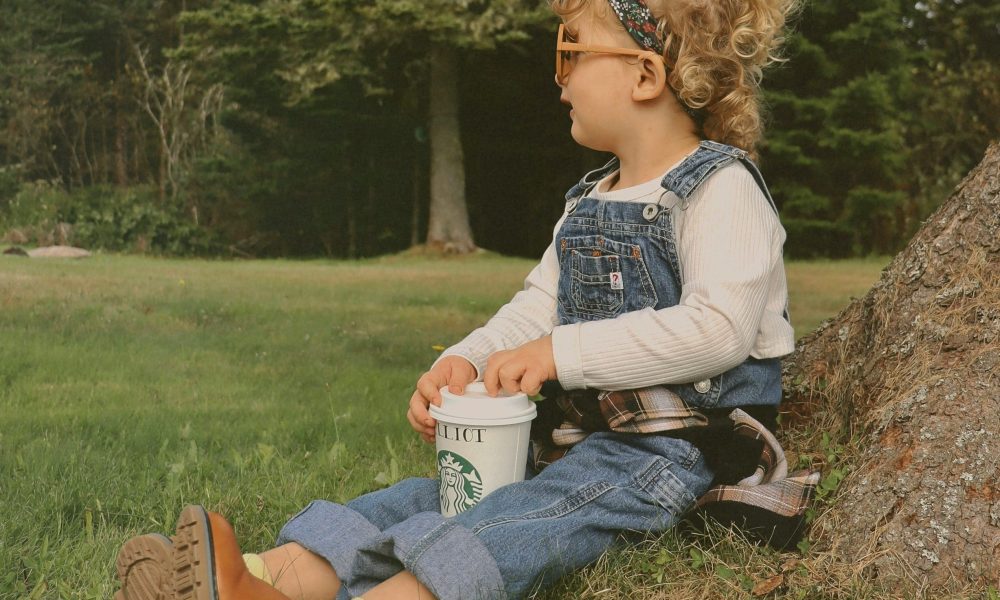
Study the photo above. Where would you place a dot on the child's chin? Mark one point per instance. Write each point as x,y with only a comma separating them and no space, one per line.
578,136
587,141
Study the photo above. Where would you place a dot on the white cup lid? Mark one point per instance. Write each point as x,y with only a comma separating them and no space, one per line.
476,407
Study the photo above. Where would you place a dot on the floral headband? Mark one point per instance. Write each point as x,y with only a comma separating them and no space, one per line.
639,22
641,25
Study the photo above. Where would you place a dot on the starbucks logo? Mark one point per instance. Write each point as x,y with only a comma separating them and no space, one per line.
461,486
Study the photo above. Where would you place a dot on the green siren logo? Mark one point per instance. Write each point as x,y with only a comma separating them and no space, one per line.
461,486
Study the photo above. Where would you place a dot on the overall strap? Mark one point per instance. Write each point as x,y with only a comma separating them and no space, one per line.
590,180
710,156
685,178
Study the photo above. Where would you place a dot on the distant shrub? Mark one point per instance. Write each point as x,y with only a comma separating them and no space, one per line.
33,209
10,184
878,214
811,238
104,218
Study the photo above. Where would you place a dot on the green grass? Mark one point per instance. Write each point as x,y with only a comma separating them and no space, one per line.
131,386
818,290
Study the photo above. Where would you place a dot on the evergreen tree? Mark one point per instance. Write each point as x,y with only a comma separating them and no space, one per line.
955,109
836,148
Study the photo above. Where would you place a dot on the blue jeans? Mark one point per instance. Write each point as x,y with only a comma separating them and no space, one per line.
520,537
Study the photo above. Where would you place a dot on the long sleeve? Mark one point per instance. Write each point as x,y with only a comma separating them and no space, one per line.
529,315
733,298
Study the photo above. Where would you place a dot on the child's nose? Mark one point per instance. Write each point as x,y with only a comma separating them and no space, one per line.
563,98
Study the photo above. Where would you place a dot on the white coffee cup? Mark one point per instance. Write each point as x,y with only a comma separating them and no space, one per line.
482,444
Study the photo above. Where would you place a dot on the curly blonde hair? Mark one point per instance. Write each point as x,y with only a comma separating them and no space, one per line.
715,52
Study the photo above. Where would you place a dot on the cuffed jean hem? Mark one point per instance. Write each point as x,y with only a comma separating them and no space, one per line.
347,531
442,554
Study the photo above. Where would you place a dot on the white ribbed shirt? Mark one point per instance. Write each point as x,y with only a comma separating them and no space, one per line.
733,296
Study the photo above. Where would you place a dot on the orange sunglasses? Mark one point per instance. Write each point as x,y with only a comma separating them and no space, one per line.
566,47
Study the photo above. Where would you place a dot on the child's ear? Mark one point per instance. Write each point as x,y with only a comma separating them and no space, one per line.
652,78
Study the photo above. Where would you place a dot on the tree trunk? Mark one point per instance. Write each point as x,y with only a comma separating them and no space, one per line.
417,195
910,375
448,223
162,177
121,164
352,232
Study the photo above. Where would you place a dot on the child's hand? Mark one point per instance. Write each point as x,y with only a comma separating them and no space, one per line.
453,371
522,369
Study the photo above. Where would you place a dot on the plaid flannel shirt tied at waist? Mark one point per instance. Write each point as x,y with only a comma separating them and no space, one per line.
752,488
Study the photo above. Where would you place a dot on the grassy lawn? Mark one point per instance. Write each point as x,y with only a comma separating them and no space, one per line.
131,386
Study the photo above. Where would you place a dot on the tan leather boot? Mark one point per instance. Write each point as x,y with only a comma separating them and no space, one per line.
204,563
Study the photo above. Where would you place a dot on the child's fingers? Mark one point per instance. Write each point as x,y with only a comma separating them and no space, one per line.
421,421
415,421
531,382
510,377
426,432
491,378
457,383
460,377
455,388
429,387
492,386
491,381
418,409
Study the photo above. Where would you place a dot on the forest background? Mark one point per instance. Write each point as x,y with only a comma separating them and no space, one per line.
350,129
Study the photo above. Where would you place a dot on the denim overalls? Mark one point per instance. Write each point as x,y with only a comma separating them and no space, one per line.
617,257
614,257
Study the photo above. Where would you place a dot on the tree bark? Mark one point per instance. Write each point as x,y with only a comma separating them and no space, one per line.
121,164
448,223
909,374
417,195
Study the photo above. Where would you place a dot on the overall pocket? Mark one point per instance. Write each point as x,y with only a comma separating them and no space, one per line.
602,278
597,283
662,482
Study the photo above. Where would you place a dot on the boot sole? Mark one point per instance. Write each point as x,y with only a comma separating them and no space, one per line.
152,567
193,565
141,567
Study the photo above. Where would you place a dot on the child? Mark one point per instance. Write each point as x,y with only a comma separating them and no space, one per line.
664,287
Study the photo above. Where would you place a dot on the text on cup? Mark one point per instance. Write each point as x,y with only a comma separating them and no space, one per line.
460,434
